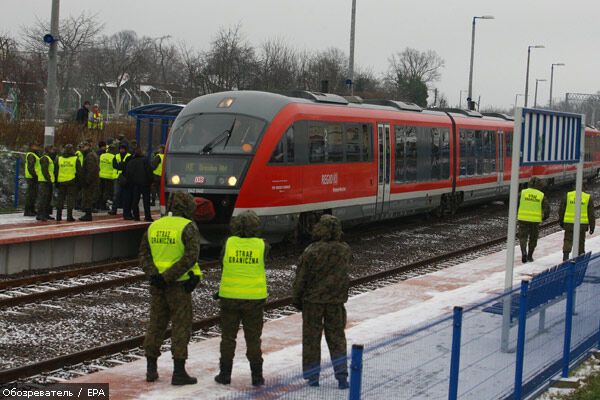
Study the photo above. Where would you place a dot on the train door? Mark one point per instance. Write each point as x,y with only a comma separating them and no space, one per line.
384,168
500,156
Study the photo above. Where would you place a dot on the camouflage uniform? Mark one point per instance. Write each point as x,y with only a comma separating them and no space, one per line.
68,189
320,291
568,227
529,231
32,183
44,199
248,312
90,179
174,301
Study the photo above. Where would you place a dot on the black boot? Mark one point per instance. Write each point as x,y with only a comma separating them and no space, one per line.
343,383
70,215
58,214
530,256
151,369
41,217
180,376
257,374
523,257
87,216
224,377
566,256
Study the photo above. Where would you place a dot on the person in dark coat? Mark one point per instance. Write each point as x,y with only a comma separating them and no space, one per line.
31,159
82,114
138,175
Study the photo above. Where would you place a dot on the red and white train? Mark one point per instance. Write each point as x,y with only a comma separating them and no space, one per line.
291,159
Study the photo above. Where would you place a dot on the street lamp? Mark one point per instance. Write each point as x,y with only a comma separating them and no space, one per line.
470,105
536,90
537,46
517,98
351,58
552,80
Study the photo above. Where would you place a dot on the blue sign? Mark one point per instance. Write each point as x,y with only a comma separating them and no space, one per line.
550,137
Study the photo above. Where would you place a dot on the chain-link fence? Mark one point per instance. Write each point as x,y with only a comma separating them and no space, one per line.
12,180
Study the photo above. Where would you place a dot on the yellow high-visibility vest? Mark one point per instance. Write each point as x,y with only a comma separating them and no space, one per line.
106,166
96,121
570,210
158,170
118,157
27,174
79,155
244,275
166,246
67,168
38,169
530,206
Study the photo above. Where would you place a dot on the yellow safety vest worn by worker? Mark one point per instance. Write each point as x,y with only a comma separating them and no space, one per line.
35,156
166,246
106,166
96,121
530,205
158,169
38,169
67,168
570,210
244,275
118,157
79,155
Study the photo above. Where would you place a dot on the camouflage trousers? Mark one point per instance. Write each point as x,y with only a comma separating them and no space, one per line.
44,198
30,196
106,192
250,314
68,191
171,304
332,319
89,193
528,232
568,240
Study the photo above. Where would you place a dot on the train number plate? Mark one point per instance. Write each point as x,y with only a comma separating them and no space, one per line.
199,179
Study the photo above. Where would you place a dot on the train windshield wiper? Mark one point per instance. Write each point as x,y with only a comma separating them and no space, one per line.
226,134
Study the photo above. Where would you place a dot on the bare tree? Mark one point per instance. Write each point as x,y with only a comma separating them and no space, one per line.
412,64
276,66
329,65
193,63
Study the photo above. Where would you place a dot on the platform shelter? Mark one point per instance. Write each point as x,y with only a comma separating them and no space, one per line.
152,123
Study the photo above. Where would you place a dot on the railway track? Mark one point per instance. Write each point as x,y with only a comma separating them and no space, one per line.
274,309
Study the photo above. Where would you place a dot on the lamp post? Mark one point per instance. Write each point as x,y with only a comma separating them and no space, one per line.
517,98
51,93
536,90
470,105
351,58
552,80
537,46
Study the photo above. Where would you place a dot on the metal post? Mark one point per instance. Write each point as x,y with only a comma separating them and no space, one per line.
356,372
16,197
536,90
455,358
51,96
527,75
470,95
351,59
578,189
78,96
138,128
521,340
551,84
150,131
512,228
165,131
568,321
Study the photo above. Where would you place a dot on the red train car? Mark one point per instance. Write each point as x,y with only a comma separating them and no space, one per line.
291,159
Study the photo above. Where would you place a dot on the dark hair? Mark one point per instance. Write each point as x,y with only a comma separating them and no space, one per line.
122,146
86,102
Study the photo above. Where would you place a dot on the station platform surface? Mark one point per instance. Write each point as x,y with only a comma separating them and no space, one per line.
371,316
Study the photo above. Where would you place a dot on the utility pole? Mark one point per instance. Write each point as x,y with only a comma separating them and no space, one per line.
537,81
470,104
51,95
537,46
552,81
351,59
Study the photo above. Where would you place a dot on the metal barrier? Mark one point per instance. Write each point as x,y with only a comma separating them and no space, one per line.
459,356
12,186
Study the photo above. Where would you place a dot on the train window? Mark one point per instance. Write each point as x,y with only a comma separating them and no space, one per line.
367,142
334,143
353,143
444,153
479,152
508,138
284,151
400,168
406,154
435,153
278,156
289,137
316,142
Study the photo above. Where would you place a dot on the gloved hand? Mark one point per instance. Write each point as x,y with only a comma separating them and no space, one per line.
591,230
158,281
298,306
191,283
216,296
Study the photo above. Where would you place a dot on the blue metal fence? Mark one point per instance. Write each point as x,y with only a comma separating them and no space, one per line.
459,356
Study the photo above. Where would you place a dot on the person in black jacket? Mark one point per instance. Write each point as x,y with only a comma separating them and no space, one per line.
138,175
82,114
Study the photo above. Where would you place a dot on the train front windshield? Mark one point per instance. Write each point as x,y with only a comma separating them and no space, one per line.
216,134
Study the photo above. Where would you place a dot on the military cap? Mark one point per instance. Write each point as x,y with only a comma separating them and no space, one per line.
328,228
247,224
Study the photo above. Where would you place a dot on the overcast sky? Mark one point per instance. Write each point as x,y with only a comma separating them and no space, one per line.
568,29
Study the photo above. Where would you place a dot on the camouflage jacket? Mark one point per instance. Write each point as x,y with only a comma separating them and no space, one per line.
90,171
322,274
191,240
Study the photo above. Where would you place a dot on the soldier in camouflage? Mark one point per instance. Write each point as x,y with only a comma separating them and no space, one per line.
533,209
90,181
566,216
242,294
31,158
320,291
68,169
171,288
45,174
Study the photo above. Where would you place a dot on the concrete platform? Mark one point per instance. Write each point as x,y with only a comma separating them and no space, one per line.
371,316
27,244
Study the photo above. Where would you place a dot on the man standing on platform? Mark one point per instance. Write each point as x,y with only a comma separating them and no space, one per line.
44,169
533,209
242,294
121,158
566,216
169,255
31,159
156,164
90,177
108,174
68,169
320,291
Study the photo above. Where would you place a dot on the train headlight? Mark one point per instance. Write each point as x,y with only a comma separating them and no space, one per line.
175,180
232,181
